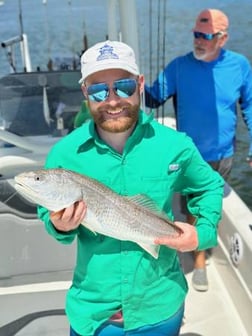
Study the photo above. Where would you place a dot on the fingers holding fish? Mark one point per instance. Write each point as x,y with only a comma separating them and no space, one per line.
80,211
185,242
69,218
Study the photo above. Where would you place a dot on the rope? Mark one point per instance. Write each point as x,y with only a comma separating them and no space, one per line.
70,25
48,42
157,43
164,47
150,38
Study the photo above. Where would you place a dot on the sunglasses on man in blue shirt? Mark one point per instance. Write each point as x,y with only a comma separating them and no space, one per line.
207,37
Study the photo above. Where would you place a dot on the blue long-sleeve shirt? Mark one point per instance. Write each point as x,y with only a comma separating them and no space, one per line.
206,96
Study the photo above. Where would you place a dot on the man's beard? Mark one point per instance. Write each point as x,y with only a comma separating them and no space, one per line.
127,118
206,55
200,56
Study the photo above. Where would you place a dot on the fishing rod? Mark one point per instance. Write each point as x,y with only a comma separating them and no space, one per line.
20,16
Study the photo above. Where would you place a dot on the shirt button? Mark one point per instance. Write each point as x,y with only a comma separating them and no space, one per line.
125,280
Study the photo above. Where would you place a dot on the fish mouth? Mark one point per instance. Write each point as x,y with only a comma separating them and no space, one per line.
22,187
25,191
35,197
17,180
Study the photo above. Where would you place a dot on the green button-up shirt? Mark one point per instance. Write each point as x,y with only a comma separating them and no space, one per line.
111,274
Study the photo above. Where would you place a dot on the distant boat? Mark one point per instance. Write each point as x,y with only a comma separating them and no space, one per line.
36,110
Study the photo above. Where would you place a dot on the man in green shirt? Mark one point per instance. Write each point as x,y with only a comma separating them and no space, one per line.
117,286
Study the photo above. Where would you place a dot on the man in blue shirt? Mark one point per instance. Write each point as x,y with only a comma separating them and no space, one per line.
206,85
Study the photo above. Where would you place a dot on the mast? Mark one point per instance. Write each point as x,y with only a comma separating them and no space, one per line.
128,31
128,20
24,43
112,28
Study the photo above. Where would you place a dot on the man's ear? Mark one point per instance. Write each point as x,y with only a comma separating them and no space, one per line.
84,91
224,39
141,83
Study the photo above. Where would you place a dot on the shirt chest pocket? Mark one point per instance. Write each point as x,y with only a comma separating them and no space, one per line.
160,187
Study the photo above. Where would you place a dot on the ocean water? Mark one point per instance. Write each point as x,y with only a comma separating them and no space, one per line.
56,28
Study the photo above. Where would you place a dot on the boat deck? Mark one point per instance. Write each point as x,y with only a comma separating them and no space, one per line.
38,309
212,312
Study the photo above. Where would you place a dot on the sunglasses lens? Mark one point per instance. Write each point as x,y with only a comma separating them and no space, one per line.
98,92
207,37
125,88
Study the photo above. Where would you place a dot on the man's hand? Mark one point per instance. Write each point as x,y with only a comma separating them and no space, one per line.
185,242
69,218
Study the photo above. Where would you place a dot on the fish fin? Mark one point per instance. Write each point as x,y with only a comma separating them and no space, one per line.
84,223
146,202
151,249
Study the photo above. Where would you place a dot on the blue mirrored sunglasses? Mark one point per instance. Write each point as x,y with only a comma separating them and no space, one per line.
123,88
207,37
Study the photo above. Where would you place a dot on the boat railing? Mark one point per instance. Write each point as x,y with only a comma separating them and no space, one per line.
25,54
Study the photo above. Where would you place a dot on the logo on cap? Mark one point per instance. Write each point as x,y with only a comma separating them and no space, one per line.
106,52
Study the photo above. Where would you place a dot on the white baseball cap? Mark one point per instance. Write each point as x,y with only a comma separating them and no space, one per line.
108,55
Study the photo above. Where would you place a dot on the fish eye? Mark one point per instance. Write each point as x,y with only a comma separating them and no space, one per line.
37,178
